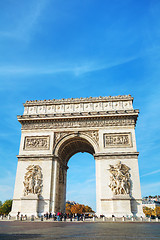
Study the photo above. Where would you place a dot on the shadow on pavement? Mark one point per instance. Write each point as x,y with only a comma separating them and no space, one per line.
19,236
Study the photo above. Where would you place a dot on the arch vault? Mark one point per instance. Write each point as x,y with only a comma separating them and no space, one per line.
54,130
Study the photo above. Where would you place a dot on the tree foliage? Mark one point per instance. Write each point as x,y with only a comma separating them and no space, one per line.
149,211
157,211
6,207
77,208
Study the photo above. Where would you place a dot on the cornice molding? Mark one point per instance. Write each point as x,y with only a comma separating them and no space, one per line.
116,155
78,100
84,115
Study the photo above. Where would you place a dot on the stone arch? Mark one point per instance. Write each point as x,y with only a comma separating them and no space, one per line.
54,130
65,148
73,143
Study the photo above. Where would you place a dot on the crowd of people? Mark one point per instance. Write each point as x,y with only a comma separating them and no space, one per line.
59,216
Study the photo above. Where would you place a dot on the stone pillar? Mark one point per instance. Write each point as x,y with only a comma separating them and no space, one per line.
117,202
54,185
24,202
59,186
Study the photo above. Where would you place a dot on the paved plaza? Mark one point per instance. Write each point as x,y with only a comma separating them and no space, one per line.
15,230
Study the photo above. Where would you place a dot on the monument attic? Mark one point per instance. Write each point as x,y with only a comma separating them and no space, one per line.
54,130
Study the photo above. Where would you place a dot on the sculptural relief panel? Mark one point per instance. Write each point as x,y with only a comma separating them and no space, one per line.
117,140
120,182
33,180
37,143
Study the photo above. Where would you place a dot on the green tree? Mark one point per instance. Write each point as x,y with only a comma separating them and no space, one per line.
6,207
0,203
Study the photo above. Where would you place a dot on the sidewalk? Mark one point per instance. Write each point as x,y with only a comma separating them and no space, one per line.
95,220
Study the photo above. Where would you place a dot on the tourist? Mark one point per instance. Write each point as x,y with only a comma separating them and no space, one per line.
58,216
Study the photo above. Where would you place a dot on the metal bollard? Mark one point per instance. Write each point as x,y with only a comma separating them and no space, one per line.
32,217
41,218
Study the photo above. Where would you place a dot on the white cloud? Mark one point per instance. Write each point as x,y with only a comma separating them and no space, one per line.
76,70
151,173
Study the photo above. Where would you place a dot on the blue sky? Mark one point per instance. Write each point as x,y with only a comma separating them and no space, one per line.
80,48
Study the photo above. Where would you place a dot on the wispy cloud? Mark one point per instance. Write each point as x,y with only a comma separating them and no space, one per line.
76,70
151,173
26,24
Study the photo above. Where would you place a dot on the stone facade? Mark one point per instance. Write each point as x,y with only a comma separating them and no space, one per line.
54,130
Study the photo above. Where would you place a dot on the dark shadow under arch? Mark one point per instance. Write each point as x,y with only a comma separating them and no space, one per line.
73,146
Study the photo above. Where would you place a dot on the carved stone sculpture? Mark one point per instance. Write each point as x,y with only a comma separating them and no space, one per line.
33,180
120,179
36,143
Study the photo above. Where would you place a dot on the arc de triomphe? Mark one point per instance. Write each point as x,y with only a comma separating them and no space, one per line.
54,130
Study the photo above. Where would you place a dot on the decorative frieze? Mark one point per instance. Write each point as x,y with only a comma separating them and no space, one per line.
78,105
36,143
117,140
78,123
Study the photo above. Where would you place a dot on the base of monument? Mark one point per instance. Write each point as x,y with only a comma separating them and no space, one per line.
29,205
122,206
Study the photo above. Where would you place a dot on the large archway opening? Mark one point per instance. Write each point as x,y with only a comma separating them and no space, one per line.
81,180
76,163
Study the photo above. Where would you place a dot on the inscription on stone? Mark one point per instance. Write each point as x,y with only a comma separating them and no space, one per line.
36,143
117,140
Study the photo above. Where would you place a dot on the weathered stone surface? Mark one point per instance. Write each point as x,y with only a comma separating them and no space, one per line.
54,130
